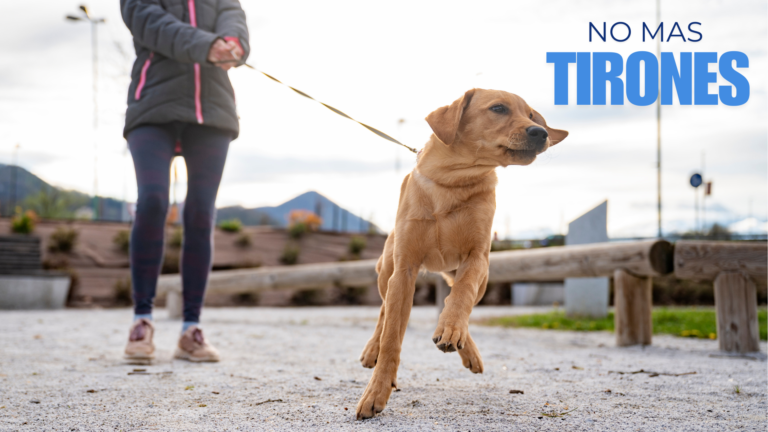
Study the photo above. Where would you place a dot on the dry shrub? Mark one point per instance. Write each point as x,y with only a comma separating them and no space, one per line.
63,240
243,241
290,254
176,239
122,240
246,299
171,262
122,291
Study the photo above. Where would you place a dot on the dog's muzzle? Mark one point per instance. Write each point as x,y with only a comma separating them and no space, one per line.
537,137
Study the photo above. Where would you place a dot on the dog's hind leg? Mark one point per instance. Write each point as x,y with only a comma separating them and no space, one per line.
470,356
384,268
397,310
370,353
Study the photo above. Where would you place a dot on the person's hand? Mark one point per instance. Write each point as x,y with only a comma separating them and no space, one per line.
225,54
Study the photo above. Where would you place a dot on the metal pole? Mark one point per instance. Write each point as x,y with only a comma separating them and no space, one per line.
696,206
658,121
397,155
703,198
95,54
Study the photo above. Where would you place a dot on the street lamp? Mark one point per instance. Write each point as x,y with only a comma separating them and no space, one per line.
85,15
400,123
658,126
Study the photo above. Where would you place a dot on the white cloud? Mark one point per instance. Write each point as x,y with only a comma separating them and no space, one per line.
749,226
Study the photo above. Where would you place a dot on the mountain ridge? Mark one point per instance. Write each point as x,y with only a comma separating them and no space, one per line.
28,185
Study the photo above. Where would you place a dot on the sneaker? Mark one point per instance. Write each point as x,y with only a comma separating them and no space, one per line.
193,347
140,347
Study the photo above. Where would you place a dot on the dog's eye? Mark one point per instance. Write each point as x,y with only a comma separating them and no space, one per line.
500,109
530,116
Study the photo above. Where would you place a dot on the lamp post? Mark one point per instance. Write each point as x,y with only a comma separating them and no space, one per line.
397,155
85,15
658,123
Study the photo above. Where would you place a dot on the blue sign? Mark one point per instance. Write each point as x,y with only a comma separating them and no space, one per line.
696,180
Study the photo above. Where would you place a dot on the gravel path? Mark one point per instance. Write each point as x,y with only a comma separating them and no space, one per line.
63,370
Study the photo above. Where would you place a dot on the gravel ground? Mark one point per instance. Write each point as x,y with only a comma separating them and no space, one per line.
63,370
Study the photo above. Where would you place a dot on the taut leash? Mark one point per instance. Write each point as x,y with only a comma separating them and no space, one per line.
337,111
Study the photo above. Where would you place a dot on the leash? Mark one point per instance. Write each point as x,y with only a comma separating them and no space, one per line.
337,111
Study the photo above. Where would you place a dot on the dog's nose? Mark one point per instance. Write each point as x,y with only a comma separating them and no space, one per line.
537,135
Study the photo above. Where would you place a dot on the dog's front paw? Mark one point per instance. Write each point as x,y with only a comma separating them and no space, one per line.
450,336
375,397
370,354
470,357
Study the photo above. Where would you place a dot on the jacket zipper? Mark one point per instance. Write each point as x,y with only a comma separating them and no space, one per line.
143,78
198,103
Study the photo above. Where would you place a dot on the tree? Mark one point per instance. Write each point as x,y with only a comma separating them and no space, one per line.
53,203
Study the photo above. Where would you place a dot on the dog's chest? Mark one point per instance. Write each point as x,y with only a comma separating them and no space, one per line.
452,238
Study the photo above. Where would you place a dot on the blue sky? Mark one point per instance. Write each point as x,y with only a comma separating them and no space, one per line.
381,62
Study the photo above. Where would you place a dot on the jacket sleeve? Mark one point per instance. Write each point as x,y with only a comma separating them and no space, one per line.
160,31
230,23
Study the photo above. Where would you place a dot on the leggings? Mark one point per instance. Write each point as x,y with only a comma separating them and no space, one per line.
153,147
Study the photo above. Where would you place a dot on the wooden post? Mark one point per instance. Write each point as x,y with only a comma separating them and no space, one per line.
736,305
704,260
441,292
174,304
632,311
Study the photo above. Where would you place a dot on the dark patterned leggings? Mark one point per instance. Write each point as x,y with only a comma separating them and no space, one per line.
153,147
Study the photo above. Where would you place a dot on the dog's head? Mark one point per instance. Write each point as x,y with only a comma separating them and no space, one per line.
494,126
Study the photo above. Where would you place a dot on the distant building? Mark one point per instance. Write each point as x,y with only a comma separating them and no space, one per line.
84,213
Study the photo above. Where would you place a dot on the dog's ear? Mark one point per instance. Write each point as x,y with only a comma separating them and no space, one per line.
555,135
444,121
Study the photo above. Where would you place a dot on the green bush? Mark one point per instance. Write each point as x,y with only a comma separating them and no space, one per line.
243,240
231,225
290,254
23,223
357,244
176,238
297,230
63,240
123,241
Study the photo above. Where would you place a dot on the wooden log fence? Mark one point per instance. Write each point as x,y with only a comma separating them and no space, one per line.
735,268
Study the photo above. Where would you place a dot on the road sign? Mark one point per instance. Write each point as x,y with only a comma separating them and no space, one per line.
696,180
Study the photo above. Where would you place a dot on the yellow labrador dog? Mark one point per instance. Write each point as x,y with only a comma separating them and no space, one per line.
443,225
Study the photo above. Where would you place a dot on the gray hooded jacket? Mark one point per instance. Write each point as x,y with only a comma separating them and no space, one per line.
172,79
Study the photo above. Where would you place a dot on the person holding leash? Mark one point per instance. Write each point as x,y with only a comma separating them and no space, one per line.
180,102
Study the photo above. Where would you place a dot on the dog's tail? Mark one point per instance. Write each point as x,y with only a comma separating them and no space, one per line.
449,277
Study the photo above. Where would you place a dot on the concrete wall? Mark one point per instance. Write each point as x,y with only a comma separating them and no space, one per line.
537,294
33,292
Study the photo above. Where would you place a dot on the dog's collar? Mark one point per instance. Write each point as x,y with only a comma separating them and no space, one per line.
447,186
